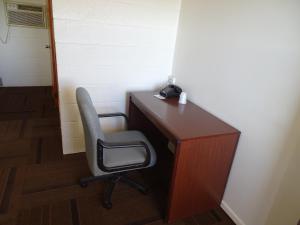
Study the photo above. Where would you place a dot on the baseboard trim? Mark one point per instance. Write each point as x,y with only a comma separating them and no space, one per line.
232,214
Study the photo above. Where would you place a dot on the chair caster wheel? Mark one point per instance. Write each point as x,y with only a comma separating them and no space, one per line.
83,185
107,205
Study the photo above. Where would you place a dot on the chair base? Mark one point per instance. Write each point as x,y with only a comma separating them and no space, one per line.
113,179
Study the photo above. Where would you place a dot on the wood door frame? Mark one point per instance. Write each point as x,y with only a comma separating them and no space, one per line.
53,54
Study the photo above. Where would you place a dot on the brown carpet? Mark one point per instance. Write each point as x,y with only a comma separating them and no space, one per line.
39,186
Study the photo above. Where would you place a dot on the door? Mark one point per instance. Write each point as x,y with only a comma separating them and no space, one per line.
53,55
24,59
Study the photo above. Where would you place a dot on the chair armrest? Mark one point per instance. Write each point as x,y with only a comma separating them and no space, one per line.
114,145
113,115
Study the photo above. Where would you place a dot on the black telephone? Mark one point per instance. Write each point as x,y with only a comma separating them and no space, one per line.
170,91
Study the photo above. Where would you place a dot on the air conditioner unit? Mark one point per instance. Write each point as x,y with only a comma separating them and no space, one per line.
26,14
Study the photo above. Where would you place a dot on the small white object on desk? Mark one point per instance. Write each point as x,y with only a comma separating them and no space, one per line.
159,97
182,98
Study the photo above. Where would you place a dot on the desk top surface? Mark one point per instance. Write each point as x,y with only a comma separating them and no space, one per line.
183,122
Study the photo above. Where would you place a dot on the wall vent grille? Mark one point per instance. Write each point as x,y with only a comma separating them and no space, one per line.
26,15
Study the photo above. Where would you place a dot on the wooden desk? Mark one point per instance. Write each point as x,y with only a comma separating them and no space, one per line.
202,150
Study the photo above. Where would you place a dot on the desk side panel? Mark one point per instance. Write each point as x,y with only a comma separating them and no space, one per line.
200,175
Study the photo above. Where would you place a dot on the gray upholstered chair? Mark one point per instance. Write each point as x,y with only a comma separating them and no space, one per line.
111,156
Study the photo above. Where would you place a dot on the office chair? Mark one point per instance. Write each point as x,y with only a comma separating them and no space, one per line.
111,156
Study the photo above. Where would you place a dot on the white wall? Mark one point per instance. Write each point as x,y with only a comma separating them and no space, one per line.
24,60
240,61
110,47
286,206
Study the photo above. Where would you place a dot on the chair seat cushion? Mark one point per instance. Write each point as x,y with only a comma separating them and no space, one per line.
126,156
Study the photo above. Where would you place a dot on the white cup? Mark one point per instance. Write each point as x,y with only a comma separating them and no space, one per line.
171,80
183,98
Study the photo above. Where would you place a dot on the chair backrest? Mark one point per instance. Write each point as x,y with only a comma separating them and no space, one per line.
91,126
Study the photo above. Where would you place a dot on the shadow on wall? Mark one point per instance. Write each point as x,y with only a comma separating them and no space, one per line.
3,25
285,208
